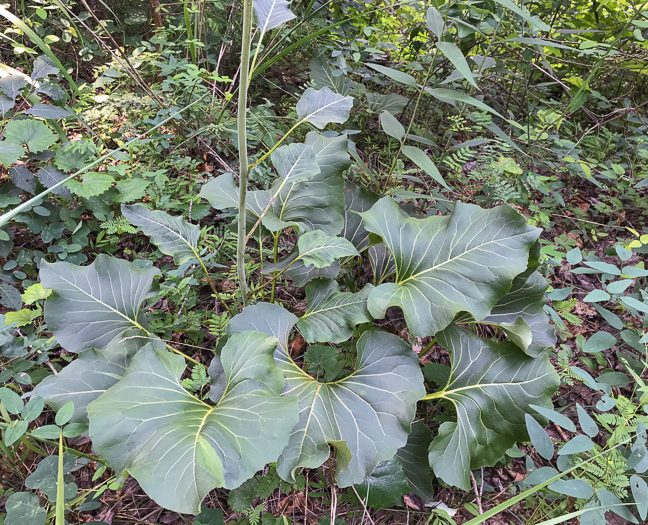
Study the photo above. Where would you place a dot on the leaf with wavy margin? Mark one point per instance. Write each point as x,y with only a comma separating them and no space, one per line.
491,386
178,447
464,261
366,416
92,305
332,315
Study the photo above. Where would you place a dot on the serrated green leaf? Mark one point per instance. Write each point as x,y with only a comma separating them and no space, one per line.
10,296
366,416
92,305
42,68
322,106
91,184
36,135
90,375
12,84
465,261
48,176
172,235
35,293
48,111
320,249
491,387
385,487
10,152
178,447
332,315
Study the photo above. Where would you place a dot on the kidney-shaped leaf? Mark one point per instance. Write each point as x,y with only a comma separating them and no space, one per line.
172,235
491,387
34,133
321,106
178,447
365,416
92,305
465,261
90,375
332,315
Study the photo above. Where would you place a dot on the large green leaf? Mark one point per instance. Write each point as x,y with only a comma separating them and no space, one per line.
332,315
295,163
319,202
521,315
319,249
92,305
321,75
357,200
91,184
424,162
464,261
178,447
366,416
322,106
10,152
272,13
386,485
382,263
414,458
90,375
491,386
35,134
172,235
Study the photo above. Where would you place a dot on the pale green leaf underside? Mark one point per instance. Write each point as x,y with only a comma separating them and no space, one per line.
295,163
320,249
464,261
299,272
92,305
172,235
365,416
90,375
272,13
178,447
491,387
332,315
322,106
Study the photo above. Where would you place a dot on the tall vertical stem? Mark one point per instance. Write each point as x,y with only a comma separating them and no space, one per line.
242,145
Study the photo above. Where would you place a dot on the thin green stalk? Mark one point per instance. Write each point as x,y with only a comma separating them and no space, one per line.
60,486
276,254
4,219
242,146
212,285
192,44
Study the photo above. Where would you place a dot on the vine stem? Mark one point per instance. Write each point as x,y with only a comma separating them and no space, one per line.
242,146
212,285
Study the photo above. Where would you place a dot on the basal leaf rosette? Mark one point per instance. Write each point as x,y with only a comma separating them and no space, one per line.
365,416
491,386
461,262
179,447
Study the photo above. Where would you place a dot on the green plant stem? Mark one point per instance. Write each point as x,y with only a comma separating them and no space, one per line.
279,274
175,350
4,218
55,444
242,146
269,152
60,486
212,285
276,254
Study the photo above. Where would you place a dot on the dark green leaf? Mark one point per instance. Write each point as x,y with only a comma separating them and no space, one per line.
385,487
23,508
